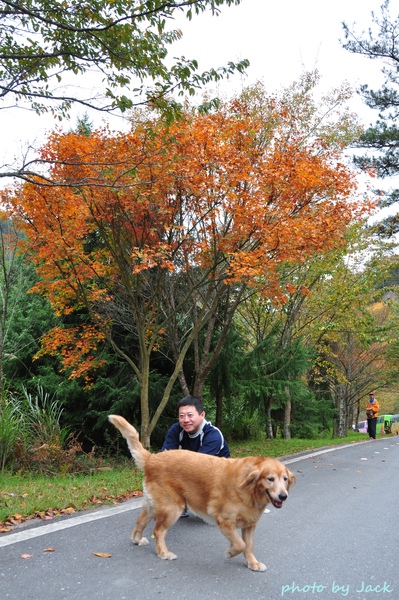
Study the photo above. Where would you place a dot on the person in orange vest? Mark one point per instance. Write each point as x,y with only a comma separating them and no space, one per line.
372,408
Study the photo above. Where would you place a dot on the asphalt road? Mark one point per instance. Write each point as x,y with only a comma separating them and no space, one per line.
337,536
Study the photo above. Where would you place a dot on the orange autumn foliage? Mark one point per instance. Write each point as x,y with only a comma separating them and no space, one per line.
235,193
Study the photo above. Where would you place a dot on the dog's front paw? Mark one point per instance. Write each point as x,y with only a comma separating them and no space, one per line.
257,566
142,542
167,556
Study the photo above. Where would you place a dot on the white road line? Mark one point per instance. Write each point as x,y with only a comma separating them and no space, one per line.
27,534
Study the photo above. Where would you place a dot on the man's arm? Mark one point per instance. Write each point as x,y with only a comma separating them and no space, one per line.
212,441
172,438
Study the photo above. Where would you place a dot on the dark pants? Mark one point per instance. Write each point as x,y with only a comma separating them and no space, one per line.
371,427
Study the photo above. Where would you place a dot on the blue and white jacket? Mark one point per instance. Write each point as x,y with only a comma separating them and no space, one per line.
208,440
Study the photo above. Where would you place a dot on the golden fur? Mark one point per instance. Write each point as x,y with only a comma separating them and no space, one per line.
228,492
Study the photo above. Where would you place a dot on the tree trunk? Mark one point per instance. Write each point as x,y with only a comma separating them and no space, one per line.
357,413
268,412
145,409
342,420
183,383
287,415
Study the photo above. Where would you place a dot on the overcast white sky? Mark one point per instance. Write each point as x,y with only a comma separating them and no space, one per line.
280,39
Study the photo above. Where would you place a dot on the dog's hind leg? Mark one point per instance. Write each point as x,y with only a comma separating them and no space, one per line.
142,521
163,521
248,537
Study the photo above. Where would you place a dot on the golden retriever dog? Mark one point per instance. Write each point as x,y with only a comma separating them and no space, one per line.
228,492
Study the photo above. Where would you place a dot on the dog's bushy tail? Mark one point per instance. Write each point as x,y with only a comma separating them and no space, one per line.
139,453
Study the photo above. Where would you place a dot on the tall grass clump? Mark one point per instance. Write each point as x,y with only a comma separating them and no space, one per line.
43,419
12,429
33,438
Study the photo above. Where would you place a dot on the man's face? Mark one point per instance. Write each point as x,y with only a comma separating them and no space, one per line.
190,419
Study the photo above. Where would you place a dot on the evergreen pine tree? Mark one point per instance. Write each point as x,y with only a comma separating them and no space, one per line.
381,43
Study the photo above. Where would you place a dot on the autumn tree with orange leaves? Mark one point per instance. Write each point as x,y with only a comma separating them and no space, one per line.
159,234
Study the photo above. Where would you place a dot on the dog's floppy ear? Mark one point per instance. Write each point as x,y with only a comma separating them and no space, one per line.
291,477
249,477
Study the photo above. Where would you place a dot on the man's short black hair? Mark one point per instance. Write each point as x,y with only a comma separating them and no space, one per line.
191,401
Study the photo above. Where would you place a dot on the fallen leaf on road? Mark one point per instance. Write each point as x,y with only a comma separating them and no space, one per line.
26,555
48,550
102,554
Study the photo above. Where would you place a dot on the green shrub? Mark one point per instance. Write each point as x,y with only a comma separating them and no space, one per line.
242,424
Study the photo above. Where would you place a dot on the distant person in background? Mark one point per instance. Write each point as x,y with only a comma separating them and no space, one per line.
372,408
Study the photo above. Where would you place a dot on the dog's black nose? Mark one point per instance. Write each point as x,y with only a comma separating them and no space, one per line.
282,497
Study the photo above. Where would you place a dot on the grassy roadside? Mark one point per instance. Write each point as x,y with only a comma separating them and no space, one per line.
279,447
28,495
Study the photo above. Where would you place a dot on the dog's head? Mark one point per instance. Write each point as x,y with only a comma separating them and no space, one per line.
269,480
